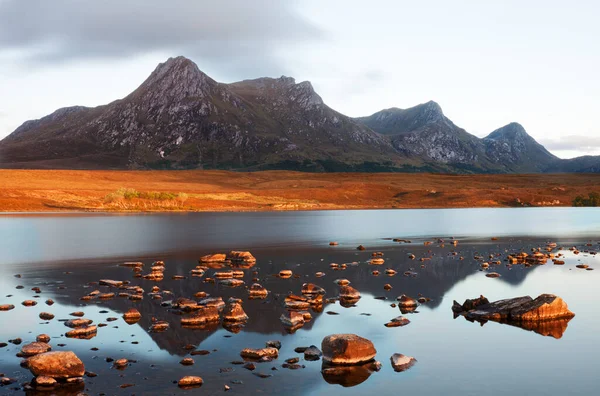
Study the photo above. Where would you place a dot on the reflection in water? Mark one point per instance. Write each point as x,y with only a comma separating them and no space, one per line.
549,328
431,336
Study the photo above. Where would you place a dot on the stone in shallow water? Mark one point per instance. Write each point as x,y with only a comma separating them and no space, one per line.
234,313
405,301
84,332
6,307
398,322
249,353
347,349
402,362
312,353
189,382
292,319
58,365
35,348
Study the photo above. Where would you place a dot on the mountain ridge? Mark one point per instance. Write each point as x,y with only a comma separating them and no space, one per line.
181,118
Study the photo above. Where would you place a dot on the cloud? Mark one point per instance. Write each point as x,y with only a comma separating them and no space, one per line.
580,143
244,34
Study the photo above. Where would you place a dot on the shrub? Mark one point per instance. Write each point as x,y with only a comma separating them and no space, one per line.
593,199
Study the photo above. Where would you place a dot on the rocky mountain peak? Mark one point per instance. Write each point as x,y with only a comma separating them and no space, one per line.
175,80
512,131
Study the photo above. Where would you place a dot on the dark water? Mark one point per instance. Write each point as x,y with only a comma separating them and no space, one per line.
62,254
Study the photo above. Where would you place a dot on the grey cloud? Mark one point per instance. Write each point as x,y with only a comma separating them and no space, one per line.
243,33
573,143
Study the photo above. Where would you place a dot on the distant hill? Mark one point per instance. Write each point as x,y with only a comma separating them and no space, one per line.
180,118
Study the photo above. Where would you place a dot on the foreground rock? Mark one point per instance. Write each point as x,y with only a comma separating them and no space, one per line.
35,348
401,362
57,365
256,354
547,314
347,349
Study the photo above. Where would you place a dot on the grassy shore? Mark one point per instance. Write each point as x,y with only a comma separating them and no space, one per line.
122,191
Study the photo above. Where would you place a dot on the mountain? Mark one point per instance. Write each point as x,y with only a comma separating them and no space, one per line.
180,118
424,131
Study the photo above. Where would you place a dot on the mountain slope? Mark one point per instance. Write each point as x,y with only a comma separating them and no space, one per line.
181,118
424,131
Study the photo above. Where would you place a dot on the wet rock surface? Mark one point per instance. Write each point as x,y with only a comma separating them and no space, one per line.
347,349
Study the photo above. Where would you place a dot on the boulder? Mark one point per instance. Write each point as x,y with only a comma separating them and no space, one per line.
469,304
257,291
522,309
132,316
35,348
310,290
84,332
57,365
312,353
347,349
6,307
405,301
213,258
201,317
241,257
402,362
348,292
398,322
292,319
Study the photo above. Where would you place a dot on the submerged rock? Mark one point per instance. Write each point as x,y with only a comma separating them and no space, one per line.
347,349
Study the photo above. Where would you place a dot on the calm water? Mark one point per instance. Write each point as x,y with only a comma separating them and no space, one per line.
62,254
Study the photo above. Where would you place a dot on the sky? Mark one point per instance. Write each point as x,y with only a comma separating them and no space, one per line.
487,63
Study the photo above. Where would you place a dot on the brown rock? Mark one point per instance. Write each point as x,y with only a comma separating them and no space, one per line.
43,338
58,365
35,348
44,382
202,316
241,257
6,307
29,303
84,332
310,290
190,382
347,349
213,258
292,319
398,322
234,313
46,316
109,282
132,316
405,301
72,323
249,353
348,292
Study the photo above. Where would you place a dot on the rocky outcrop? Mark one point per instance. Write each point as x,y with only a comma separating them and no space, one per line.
547,314
347,349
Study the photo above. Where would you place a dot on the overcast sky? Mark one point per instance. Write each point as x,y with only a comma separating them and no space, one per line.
486,63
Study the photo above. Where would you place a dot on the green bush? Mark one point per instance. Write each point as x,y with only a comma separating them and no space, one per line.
593,199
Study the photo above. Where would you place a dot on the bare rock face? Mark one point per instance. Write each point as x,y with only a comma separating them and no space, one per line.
401,362
347,349
57,365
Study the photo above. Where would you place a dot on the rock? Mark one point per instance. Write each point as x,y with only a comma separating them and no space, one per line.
190,382
29,303
398,322
285,274
43,338
232,282
201,317
132,316
248,353
405,301
273,344
310,290
241,257
292,319
387,286
234,313
112,283
493,275
78,314
376,261
216,302
348,292
312,353
159,326
187,362
361,247
294,302
256,291
401,362
72,323
120,363
57,365
469,304
84,332
35,348
521,310
582,266
6,307
333,243
213,258
347,349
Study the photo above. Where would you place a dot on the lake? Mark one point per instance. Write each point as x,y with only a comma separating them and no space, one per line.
64,255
